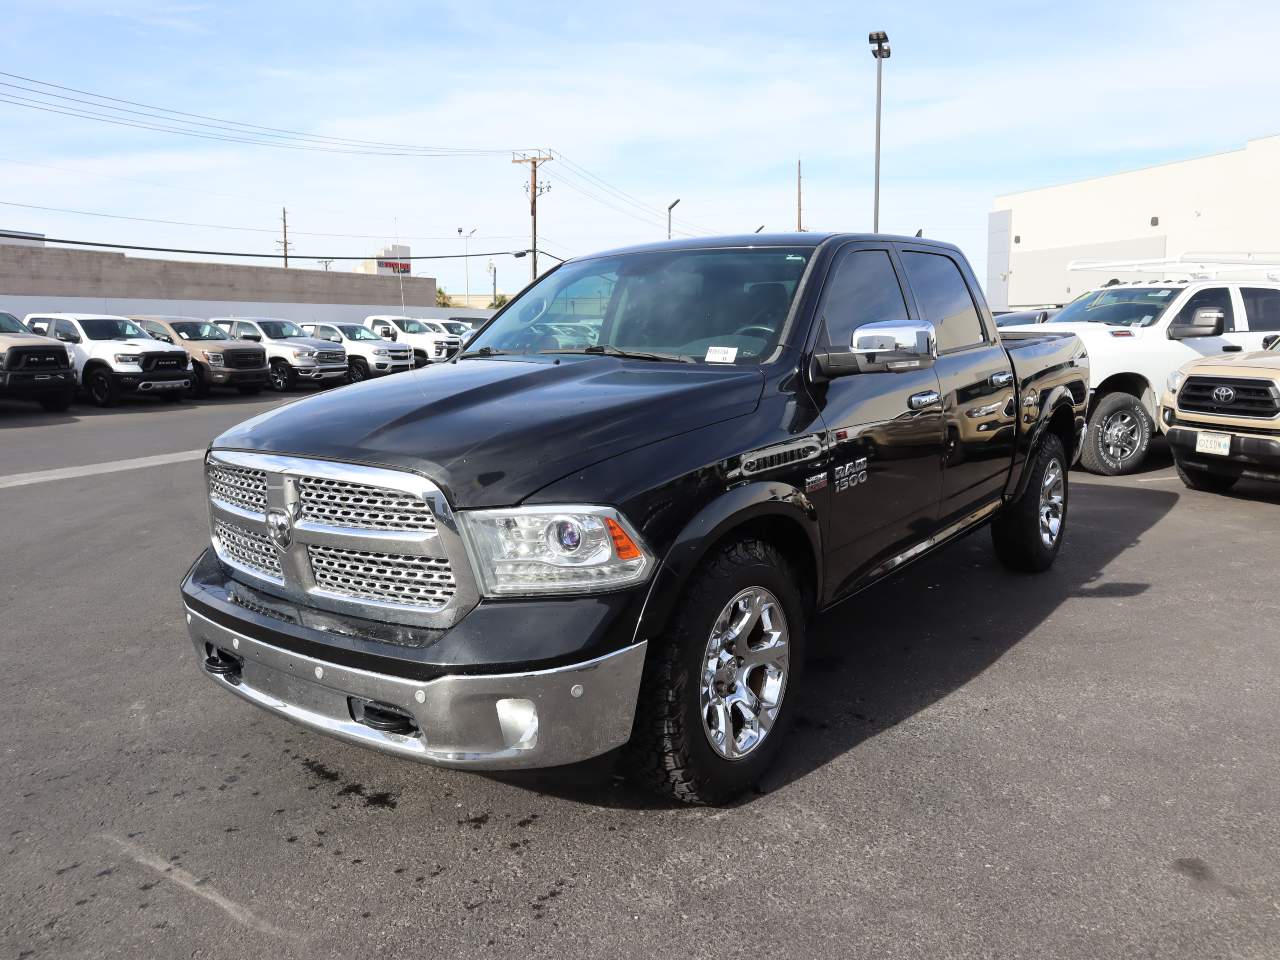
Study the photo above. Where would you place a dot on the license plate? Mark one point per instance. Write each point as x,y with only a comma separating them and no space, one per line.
1218,444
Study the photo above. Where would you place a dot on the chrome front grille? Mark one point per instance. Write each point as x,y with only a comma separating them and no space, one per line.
246,489
395,578
331,356
244,548
359,506
376,543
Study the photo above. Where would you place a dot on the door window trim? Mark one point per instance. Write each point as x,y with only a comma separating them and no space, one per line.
984,321
817,326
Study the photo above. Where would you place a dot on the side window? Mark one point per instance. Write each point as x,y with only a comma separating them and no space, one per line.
1216,297
155,329
245,328
66,329
863,289
1261,308
944,299
39,325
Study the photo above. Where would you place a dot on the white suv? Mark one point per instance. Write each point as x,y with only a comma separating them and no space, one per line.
431,342
1138,335
291,354
114,356
368,355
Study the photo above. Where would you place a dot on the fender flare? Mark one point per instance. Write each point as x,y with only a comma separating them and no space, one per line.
1058,398
735,507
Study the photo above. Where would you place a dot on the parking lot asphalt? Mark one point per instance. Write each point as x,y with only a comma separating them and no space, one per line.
1078,764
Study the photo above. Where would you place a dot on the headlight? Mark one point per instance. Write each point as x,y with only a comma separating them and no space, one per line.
554,549
1175,381
128,358
379,352
304,354
215,359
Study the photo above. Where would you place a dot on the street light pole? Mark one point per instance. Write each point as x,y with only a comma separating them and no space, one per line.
670,207
880,41
466,258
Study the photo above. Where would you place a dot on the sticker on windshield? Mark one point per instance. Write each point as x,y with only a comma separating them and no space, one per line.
721,354
1148,318
1158,293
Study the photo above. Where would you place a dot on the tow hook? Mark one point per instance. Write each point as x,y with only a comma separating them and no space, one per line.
382,717
223,664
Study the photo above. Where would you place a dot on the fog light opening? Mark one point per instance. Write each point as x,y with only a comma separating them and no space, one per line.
519,722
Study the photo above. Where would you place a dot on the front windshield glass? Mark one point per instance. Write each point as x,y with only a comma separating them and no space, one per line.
1120,306
198,330
409,326
9,324
280,329
113,328
355,332
454,327
724,305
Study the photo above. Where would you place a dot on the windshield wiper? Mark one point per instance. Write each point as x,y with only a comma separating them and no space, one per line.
607,350
483,352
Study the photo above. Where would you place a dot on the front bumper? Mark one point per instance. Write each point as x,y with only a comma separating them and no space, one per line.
1255,457
22,385
223,377
541,718
381,366
326,372
153,382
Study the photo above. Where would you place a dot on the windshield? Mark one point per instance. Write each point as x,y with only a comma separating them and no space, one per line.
354,332
726,305
454,327
409,326
9,324
198,330
1120,306
112,328
280,329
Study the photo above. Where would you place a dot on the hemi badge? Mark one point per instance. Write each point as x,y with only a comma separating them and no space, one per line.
815,483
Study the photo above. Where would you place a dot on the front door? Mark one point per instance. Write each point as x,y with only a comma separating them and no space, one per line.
885,450
977,382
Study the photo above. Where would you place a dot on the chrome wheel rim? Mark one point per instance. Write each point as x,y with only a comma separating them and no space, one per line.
1053,502
356,373
1121,434
744,673
279,379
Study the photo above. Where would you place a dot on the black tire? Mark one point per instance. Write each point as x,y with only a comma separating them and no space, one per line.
281,377
200,382
1119,436
357,371
250,389
1204,480
1024,537
101,388
670,750
58,402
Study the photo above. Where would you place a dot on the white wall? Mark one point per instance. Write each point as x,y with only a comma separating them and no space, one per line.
20,306
1228,202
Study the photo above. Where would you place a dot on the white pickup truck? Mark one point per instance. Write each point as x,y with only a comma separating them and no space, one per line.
431,342
1137,335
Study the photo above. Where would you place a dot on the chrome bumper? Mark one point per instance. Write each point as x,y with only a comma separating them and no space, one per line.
543,718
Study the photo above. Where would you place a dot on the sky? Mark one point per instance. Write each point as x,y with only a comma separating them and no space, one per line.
708,102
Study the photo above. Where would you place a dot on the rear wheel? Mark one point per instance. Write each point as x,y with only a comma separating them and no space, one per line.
281,377
1203,479
1119,436
101,387
717,694
1027,533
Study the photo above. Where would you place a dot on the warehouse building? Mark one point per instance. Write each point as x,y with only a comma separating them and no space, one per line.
1226,205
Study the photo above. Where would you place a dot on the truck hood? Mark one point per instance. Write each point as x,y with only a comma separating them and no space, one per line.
133,344
1085,330
311,343
493,432
1255,363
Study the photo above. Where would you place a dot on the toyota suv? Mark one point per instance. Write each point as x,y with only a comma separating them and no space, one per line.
217,360
34,367
292,355
114,356
1221,416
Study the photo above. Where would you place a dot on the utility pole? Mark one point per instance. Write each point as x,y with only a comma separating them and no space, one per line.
284,244
799,203
327,263
535,190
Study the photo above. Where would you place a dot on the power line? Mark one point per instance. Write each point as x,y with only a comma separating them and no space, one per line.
601,183
257,256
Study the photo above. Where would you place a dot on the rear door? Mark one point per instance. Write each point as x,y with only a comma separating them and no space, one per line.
1261,310
884,473
976,380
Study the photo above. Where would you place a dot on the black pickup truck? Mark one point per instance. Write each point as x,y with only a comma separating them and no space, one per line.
608,521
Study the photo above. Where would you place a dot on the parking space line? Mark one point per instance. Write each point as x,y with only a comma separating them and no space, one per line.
195,885
93,469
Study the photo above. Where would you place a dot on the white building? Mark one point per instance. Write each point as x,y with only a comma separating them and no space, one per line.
1228,203
388,262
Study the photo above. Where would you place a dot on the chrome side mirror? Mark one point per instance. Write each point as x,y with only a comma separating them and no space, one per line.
886,346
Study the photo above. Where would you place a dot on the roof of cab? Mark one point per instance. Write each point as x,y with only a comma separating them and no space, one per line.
805,240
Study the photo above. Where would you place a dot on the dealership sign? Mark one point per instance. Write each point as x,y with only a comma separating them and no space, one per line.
395,266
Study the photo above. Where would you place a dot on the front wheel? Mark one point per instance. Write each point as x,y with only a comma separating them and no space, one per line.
1027,533
101,388
359,370
1203,479
281,377
1119,436
717,695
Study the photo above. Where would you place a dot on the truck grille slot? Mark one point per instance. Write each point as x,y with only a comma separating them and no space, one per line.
407,580
1230,396
331,356
163,361
244,359
239,487
340,504
35,358
248,549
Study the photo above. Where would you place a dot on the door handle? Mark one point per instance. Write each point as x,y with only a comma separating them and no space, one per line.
926,398
1002,379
